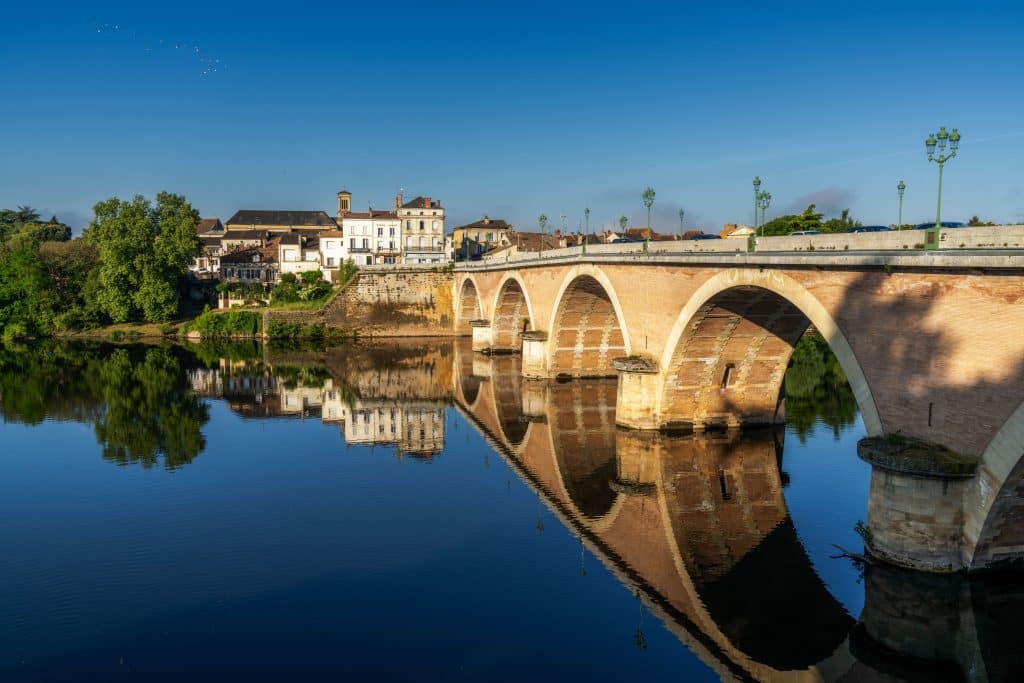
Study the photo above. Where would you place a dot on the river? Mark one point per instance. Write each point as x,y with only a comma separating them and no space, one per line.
417,511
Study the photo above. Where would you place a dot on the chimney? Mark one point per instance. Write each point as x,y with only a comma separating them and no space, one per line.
426,202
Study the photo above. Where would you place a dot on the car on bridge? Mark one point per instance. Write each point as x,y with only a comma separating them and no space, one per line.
703,236
945,224
797,233
871,228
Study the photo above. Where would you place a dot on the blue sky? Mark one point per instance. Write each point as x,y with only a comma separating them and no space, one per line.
515,109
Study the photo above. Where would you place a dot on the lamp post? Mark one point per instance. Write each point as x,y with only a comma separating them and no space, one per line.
586,238
900,187
936,146
681,214
757,188
764,200
542,221
648,202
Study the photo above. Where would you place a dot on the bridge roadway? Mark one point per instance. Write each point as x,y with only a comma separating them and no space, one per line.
697,527
932,343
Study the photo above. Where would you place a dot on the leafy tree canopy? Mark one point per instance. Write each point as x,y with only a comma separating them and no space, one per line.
144,251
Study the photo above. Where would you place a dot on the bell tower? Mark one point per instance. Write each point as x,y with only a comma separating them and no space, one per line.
344,203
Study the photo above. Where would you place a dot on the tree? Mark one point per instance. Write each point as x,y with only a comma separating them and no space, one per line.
975,221
623,222
26,298
144,251
783,225
648,199
842,224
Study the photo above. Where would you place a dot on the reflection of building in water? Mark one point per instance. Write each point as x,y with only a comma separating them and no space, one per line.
414,427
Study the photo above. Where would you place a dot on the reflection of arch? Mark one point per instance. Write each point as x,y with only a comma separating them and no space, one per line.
469,384
587,330
506,382
468,306
797,296
582,423
1000,498
512,314
728,520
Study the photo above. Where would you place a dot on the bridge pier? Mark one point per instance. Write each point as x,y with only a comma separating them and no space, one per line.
639,388
915,505
534,397
535,354
483,335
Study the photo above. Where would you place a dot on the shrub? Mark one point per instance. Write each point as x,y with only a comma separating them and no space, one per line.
231,323
310,277
288,279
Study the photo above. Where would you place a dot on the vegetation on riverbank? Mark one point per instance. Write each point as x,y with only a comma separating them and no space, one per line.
234,323
129,265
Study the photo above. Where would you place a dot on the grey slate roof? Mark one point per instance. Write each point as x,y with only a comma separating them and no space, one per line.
298,219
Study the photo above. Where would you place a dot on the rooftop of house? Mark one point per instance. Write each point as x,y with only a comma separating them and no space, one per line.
209,225
250,255
486,222
326,234
366,215
306,219
244,235
531,241
422,203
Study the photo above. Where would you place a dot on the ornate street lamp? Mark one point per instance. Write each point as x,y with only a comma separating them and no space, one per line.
586,238
900,187
542,221
757,187
936,146
764,200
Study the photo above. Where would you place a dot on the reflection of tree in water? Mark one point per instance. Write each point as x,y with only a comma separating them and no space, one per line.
817,389
139,400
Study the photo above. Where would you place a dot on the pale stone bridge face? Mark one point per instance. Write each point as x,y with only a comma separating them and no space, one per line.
932,345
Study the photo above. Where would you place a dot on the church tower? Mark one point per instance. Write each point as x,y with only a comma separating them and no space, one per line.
344,204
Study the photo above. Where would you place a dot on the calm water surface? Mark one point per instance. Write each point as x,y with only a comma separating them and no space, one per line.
418,511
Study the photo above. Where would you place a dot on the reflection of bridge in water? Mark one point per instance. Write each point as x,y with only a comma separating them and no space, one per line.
698,526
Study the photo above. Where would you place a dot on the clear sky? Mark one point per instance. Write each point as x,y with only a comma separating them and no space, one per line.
514,109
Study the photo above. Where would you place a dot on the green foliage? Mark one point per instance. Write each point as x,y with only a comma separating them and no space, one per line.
27,298
138,400
817,389
145,250
227,324
288,279
311,288
783,225
842,224
310,277
975,222
347,271
277,329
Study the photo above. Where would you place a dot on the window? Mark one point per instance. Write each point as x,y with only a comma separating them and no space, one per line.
421,226
380,232
330,261
366,243
433,225
391,232
727,376
408,225
352,243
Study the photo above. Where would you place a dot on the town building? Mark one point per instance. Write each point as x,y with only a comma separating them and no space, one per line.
298,253
250,266
472,240
422,221
333,252
734,231
372,237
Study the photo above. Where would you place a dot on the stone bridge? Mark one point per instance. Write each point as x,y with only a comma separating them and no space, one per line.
932,344
697,527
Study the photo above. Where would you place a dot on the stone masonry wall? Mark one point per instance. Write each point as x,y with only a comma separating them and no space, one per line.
392,302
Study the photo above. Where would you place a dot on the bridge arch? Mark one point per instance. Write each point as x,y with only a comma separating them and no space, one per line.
587,329
513,314
468,305
748,319
996,498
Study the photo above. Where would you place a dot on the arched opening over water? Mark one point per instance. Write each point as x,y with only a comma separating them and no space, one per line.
469,307
728,353
506,382
587,333
511,316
